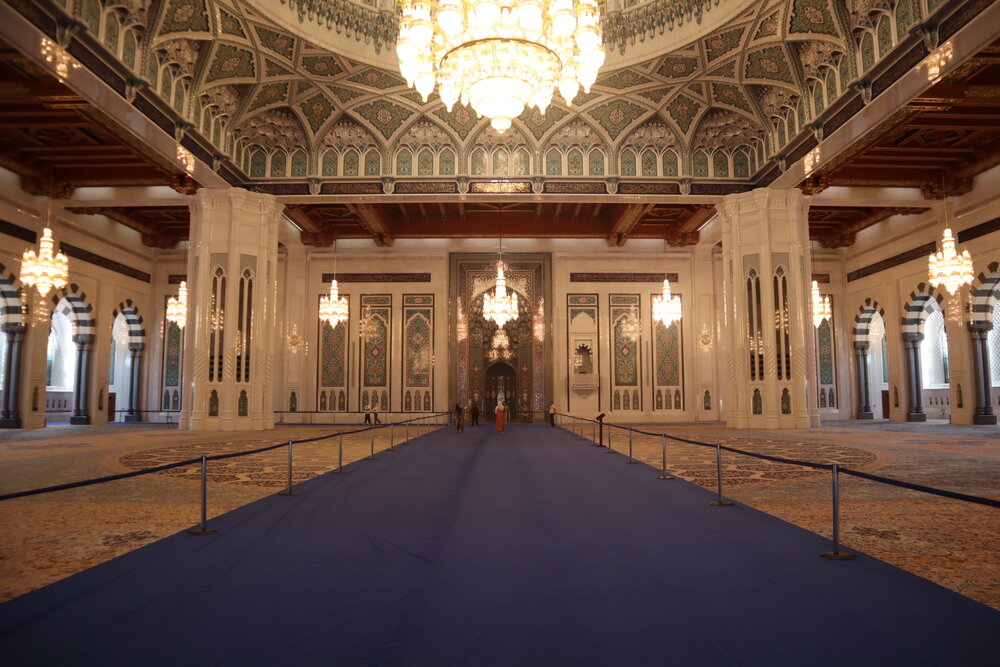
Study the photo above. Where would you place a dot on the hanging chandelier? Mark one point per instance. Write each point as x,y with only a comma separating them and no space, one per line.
500,55
177,308
500,306
948,268
821,309
666,308
333,309
44,270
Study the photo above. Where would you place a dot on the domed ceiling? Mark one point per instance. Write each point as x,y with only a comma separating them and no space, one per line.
718,109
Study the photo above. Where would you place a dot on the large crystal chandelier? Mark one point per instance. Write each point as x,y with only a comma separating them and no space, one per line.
177,308
44,270
821,309
666,308
500,55
333,308
500,306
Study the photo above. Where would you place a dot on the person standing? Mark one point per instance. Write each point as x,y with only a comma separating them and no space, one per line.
501,417
368,416
459,418
474,414
552,413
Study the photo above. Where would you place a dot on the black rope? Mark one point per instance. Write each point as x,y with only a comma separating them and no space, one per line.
181,464
989,502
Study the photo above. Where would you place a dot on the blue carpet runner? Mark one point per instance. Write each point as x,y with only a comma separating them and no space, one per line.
480,549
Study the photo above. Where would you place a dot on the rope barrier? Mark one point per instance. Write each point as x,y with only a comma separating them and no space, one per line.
944,493
190,462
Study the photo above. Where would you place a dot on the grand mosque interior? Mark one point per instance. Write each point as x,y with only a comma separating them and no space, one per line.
755,217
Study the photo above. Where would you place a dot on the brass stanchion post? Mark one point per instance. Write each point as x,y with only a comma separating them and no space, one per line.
371,440
340,456
663,467
721,502
392,428
611,449
630,459
288,489
837,554
203,528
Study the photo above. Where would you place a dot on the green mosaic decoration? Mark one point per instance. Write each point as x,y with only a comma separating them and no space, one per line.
683,110
655,94
741,166
670,165
344,95
721,44
582,300
352,162
269,94
574,163
90,12
404,163
677,67
623,79
111,32
129,49
725,93
596,163
824,339
697,89
321,65
770,64
377,79
330,163
272,68
446,162
720,164
172,356
626,348
461,119
373,163
700,162
768,27
553,163
278,164
627,163
375,344
303,87
275,41
539,123
317,109
666,341
231,25
385,116
230,63
812,17
179,16
333,347
299,163
417,352
616,116
425,163
725,71
884,32
867,52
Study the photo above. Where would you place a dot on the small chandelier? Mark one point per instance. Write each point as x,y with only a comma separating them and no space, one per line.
820,306
500,55
500,306
44,270
937,61
177,308
334,308
666,308
948,268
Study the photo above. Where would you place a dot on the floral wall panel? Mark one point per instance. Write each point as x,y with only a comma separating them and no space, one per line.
626,345
374,329
418,348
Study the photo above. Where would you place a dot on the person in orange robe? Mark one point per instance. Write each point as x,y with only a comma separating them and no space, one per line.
501,416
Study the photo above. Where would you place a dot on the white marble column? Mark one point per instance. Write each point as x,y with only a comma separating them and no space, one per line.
232,294
769,342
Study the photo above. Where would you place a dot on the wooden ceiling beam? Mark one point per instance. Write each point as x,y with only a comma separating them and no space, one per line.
152,236
372,220
626,222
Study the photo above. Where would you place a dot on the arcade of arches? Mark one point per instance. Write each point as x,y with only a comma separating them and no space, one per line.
778,143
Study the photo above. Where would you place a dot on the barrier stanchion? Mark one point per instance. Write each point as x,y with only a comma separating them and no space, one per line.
721,502
340,456
406,434
593,434
837,554
611,449
392,427
630,459
663,466
371,440
203,528
288,490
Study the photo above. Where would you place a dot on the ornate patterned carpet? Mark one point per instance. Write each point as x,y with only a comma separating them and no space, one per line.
952,543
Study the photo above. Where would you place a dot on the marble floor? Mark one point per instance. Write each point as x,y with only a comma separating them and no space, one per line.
956,544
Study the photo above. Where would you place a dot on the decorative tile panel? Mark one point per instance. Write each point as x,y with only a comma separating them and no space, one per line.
385,116
616,116
539,123
623,79
683,110
230,25
333,354
375,327
418,345
677,67
269,94
812,17
317,109
321,65
769,63
179,16
377,79
625,338
719,45
230,63
280,43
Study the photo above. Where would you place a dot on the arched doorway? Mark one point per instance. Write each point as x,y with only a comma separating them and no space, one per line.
127,346
68,359
878,367
925,345
500,385
985,332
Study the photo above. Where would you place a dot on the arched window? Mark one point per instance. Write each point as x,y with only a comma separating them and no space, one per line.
278,163
628,163
61,354
596,163
648,163
553,163
446,162
425,163
993,340
404,163
500,162
330,163
934,351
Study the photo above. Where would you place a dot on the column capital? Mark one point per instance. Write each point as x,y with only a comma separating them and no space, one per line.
912,338
761,199
209,199
861,346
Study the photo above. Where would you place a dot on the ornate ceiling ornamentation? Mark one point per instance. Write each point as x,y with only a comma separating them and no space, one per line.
274,129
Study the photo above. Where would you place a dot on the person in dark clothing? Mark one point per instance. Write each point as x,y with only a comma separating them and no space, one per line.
368,416
474,414
552,413
459,418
